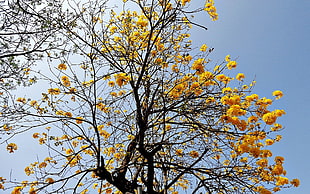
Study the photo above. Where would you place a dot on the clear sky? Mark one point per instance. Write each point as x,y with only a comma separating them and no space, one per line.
272,42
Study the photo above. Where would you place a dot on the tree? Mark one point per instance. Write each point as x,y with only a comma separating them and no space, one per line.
28,29
130,102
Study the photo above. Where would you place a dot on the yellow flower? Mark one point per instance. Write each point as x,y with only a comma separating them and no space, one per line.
223,78
104,134
65,81
203,48
177,90
54,91
142,21
264,191
279,160
251,97
277,170
60,112
240,76
79,120
117,156
88,83
114,94
42,141
62,66
278,137
235,110
158,60
33,103
252,119
210,100
198,65
32,190
42,165
132,137
194,154
72,90
196,89
175,68
269,118
262,162
68,114
179,152
113,29
6,127
244,160
49,180
22,100
295,182
17,190
266,153
111,83
227,58
48,159
211,9
276,127
269,141
11,147
121,79
69,151
231,64
110,150
279,113
281,181
278,94
206,78
121,92
28,171
255,151
185,1
188,58
102,107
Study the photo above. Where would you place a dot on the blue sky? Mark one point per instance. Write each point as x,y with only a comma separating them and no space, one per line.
272,42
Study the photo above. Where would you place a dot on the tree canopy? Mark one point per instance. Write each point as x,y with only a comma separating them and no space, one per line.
131,103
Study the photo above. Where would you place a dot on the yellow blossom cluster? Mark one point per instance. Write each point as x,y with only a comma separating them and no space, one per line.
203,48
102,107
22,100
103,132
62,66
63,113
49,180
7,127
2,181
79,120
73,160
278,94
211,9
87,83
11,147
54,91
65,81
121,79
194,154
198,65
